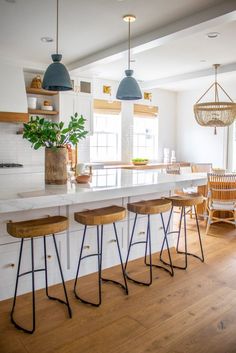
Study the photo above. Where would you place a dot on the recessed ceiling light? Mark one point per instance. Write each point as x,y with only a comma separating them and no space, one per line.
46,39
11,1
213,34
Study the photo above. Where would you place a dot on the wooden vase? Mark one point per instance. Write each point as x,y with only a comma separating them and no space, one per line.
55,165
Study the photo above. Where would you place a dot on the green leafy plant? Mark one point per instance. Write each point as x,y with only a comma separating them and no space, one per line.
44,133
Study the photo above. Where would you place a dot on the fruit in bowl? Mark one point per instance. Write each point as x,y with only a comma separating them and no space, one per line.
140,161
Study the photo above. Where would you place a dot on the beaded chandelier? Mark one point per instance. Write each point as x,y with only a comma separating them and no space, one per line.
215,113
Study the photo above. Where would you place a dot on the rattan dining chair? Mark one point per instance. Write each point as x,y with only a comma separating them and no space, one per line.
221,199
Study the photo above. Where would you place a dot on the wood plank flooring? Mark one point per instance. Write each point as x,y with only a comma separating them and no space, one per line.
194,312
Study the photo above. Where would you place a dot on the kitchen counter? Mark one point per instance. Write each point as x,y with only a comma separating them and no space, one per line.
24,189
24,196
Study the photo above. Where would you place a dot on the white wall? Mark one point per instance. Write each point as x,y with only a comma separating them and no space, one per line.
12,89
166,102
194,142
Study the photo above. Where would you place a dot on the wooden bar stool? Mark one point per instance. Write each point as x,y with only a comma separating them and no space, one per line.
30,230
183,201
148,208
99,217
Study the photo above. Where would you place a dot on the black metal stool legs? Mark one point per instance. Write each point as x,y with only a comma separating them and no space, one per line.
33,283
124,286
185,252
33,289
165,240
199,237
99,255
66,302
147,243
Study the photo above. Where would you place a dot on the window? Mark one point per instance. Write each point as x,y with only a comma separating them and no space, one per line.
105,144
145,140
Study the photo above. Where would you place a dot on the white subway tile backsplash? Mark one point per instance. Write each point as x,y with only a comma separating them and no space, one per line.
14,149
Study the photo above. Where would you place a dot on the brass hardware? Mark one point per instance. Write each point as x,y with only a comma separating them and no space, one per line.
107,90
147,96
49,256
141,233
129,18
86,247
113,241
12,265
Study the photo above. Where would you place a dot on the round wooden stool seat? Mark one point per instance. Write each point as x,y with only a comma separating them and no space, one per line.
100,216
150,206
38,227
186,200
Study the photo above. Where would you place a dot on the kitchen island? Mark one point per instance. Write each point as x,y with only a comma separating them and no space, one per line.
23,196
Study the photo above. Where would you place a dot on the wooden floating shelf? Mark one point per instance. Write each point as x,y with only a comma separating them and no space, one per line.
10,117
42,112
41,92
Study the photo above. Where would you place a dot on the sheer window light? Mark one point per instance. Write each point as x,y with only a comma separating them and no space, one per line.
105,144
145,138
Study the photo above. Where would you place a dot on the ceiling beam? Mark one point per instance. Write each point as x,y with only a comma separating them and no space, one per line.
213,16
187,76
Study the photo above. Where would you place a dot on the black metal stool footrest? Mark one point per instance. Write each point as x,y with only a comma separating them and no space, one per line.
190,254
116,282
174,266
86,301
162,268
147,284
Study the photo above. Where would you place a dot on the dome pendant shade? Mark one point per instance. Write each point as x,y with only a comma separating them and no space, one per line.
56,77
128,88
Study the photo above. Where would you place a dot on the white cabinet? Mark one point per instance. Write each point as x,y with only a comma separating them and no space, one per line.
82,103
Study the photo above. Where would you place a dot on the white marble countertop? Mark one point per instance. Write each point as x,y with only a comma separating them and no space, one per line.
24,189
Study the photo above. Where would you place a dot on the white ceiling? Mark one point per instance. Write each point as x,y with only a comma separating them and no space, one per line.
176,57
88,28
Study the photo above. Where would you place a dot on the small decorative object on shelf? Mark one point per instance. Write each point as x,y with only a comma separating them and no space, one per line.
47,105
36,82
32,102
55,137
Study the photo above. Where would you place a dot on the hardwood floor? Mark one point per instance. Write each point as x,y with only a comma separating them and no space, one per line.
194,312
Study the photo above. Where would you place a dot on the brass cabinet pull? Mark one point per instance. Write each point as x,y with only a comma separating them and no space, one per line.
86,247
141,233
112,241
49,256
12,265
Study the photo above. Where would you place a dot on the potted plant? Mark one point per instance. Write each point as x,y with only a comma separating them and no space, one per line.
55,137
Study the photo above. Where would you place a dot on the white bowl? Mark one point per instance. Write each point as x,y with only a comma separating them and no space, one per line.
47,107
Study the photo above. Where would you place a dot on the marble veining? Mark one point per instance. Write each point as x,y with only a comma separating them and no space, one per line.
26,190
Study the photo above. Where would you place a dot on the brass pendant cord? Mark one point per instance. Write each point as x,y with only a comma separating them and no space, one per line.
216,85
129,45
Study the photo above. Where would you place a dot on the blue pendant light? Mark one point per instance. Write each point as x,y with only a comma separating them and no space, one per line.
56,77
128,88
